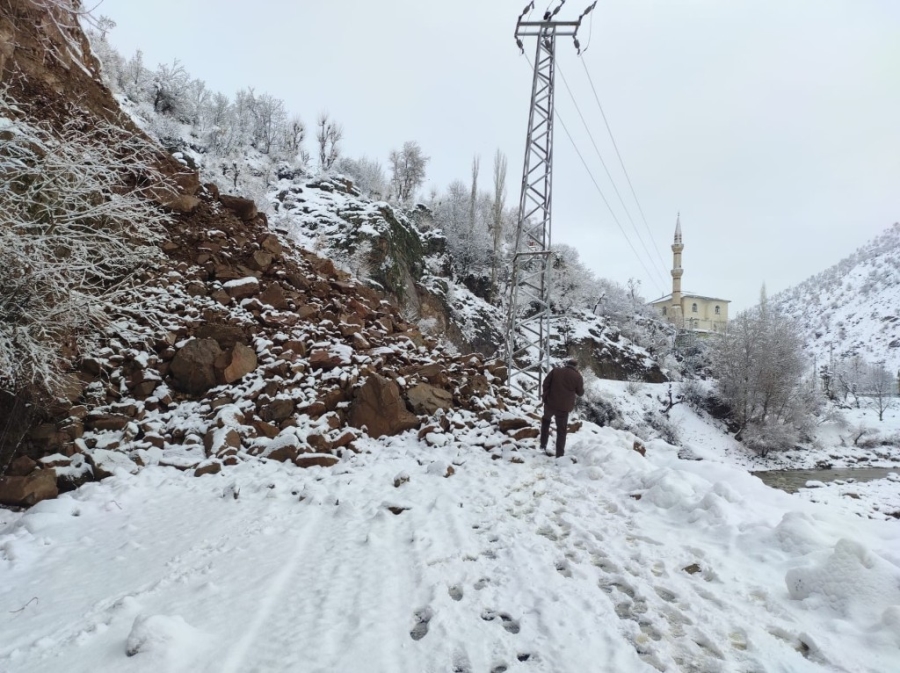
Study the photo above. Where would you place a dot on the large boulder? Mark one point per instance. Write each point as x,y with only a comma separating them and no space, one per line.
106,463
193,366
21,467
243,208
379,408
316,460
277,410
427,399
26,491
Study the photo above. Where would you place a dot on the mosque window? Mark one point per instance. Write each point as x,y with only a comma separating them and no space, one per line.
693,308
718,310
664,310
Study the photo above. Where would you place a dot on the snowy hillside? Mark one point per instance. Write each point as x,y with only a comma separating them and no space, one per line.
853,308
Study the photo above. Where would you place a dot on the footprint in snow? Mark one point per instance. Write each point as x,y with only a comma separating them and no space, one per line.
665,594
624,588
562,567
461,663
456,592
422,617
605,564
510,624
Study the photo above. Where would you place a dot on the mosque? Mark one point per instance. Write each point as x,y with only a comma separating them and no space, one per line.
686,310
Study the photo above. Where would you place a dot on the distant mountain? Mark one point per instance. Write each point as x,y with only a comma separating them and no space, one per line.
853,308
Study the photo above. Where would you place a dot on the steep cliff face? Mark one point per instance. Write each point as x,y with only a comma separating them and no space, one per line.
46,64
45,58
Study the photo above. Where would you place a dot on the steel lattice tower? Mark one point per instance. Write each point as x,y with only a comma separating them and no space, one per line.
528,323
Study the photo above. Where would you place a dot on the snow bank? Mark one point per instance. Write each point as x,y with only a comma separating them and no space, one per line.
165,641
852,581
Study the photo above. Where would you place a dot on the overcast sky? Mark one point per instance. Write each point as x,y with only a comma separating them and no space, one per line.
773,126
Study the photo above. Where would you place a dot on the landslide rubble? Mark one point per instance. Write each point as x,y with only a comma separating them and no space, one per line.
237,346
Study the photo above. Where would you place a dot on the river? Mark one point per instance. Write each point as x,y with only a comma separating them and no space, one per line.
793,480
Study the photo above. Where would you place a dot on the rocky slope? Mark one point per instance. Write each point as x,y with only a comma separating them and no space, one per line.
239,347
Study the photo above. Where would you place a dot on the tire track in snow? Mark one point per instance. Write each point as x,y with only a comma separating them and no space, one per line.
234,661
343,598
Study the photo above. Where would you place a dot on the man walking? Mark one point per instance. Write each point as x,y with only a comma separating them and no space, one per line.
561,386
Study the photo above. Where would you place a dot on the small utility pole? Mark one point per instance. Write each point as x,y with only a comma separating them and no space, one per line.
528,324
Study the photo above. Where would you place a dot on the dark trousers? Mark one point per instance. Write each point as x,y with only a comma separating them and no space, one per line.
562,421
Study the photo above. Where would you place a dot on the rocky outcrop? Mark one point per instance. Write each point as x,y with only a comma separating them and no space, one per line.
45,58
605,351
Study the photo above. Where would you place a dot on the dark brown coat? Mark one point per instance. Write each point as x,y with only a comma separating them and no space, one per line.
561,386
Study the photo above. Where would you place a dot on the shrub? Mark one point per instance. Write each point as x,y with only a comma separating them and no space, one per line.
76,223
765,437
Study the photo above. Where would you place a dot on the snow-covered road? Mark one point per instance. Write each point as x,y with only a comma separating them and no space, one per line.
501,566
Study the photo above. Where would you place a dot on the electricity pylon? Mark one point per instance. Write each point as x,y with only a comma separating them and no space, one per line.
528,323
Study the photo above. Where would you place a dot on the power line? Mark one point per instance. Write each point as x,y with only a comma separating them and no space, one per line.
600,191
609,175
621,162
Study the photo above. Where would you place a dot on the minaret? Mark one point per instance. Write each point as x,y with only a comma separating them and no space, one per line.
677,271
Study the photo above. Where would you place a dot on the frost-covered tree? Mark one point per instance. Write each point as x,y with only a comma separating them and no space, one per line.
470,246
112,63
215,120
879,387
407,170
134,78
269,118
196,99
572,285
328,136
451,212
168,88
498,204
759,366
75,223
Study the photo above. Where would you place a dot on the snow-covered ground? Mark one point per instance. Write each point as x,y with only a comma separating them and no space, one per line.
702,437
616,562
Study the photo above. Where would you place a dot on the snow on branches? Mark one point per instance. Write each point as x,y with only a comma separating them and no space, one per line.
76,222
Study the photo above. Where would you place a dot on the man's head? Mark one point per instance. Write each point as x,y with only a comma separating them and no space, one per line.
570,362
